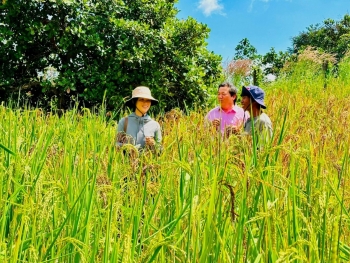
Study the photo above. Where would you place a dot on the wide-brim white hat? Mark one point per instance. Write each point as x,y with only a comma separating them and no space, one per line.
141,92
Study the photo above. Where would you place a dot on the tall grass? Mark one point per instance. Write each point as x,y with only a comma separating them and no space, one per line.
67,195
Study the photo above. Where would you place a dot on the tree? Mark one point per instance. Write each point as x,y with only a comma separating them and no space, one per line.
331,37
245,50
104,48
273,62
246,54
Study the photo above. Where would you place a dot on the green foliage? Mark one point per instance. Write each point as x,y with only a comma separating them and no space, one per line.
331,36
245,68
310,66
104,47
273,62
344,69
245,50
69,196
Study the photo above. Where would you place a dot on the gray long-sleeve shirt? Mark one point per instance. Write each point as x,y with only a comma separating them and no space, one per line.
139,128
263,128
261,123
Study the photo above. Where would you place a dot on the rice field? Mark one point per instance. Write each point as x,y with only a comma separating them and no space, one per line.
67,195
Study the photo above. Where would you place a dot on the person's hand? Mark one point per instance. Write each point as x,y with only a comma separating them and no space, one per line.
150,141
229,130
216,123
236,129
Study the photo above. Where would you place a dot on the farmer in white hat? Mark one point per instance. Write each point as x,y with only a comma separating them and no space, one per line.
139,128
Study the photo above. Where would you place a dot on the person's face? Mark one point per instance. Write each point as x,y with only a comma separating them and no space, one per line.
245,101
224,97
143,105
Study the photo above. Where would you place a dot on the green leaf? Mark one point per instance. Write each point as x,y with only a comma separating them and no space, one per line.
7,149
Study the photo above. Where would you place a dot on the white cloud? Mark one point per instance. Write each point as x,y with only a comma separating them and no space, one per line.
251,5
265,1
253,1
210,6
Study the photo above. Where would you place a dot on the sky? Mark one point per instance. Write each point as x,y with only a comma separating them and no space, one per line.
265,23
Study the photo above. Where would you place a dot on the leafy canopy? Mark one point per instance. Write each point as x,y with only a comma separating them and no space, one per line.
88,49
331,36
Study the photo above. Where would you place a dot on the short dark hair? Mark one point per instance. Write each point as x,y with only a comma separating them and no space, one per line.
133,104
231,89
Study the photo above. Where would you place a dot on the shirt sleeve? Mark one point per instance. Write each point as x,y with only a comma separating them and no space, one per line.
158,134
209,116
266,127
158,139
120,127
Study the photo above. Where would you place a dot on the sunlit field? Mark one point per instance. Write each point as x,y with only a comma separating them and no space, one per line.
67,194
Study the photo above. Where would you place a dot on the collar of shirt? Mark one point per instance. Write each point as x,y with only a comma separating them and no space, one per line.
229,111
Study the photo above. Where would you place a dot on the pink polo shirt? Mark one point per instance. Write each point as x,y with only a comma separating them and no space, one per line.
233,117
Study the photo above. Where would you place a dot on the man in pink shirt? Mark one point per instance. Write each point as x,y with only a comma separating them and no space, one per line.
228,116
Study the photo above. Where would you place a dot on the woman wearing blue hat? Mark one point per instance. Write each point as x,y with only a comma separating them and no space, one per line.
253,102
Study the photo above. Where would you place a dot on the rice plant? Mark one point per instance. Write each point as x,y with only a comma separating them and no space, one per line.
68,195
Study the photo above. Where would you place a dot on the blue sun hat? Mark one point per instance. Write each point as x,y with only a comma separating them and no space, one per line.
256,93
